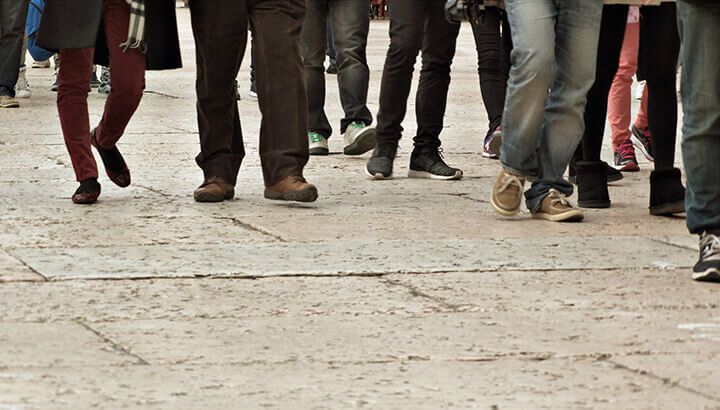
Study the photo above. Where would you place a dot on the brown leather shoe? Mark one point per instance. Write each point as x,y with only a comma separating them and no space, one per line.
114,163
88,192
292,188
214,189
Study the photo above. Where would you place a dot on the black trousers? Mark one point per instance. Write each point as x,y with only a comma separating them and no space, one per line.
220,28
493,48
416,25
13,14
659,50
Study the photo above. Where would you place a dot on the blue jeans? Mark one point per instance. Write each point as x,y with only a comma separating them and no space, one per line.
554,48
699,26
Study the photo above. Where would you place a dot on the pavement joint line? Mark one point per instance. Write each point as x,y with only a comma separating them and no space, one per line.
252,227
116,346
675,245
664,380
33,270
161,94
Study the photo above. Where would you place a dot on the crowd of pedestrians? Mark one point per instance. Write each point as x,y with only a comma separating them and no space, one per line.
550,75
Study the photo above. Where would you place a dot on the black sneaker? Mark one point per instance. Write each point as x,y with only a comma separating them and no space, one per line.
380,165
642,139
427,162
332,68
707,269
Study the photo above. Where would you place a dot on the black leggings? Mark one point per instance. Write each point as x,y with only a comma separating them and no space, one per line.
493,50
659,49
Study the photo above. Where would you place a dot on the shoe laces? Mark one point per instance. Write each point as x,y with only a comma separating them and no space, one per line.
626,150
557,199
297,179
710,246
509,180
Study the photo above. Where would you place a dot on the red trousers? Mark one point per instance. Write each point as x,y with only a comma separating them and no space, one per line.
128,81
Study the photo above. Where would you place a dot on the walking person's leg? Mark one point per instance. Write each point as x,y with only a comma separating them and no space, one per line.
699,25
531,75
659,51
22,88
314,47
351,26
407,27
220,40
129,81
492,74
620,100
13,14
282,97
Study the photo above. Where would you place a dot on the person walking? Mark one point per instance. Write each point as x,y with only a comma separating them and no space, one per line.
132,40
658,57
220,29
554,48
493,44
415,25
13,14
350,26
699,27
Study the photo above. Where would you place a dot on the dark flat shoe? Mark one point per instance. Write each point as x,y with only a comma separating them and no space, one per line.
114,163
87,193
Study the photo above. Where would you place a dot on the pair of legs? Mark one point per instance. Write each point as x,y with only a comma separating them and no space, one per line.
220,28
13,14
699,24
415,25
554,48
658,53
128,83
350,26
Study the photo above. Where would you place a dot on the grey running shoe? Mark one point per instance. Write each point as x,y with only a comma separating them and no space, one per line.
104,87
359,138
427,162
707,268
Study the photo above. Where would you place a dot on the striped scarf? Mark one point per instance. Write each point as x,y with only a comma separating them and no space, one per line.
136,32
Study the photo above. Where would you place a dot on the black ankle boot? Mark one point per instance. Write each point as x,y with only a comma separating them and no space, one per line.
592,183
667,194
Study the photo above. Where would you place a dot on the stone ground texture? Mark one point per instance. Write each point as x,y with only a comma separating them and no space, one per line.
396,294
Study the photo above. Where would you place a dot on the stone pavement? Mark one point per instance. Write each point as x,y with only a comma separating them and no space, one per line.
395,294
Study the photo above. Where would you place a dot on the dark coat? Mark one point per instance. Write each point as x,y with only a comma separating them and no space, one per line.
78,24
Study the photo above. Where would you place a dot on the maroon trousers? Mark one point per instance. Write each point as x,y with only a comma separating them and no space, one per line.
128,81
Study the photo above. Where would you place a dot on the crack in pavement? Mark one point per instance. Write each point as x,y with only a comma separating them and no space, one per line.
116,346
664,380
416,292
252,227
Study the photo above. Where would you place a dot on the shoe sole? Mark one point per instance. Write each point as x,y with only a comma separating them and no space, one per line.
489,155
669,209
12,105
319,151
594,204
641,147
306,195
22,95
377,176
429,175
627,168
570,216
206,197
364,142
709,275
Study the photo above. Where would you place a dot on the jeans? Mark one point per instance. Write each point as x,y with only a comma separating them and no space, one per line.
416,25
350,27
699,24
13,14
128,82
554,48
493,48
220,28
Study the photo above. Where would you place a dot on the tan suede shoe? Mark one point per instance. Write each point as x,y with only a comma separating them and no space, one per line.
555,207
292,188
507,193
214,189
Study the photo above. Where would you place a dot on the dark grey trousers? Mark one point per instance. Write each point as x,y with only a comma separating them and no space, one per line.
13,14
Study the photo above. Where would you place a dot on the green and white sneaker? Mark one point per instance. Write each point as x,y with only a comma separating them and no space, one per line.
359,138
318,144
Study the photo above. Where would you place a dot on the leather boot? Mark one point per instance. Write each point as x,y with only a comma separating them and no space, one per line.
292,188
214,189
592,183
667,193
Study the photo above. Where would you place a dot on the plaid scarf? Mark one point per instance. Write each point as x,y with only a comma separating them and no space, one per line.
136,32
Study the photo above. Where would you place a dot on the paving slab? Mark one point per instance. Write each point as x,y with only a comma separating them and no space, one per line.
13,270
346,257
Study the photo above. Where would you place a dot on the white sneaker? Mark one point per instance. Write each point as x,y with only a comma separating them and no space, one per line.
22,88
318,144
41,64
359,138
639,90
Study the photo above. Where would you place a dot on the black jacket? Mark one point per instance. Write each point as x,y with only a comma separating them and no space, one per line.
78,24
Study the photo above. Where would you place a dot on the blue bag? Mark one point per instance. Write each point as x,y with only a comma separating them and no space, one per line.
31,29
